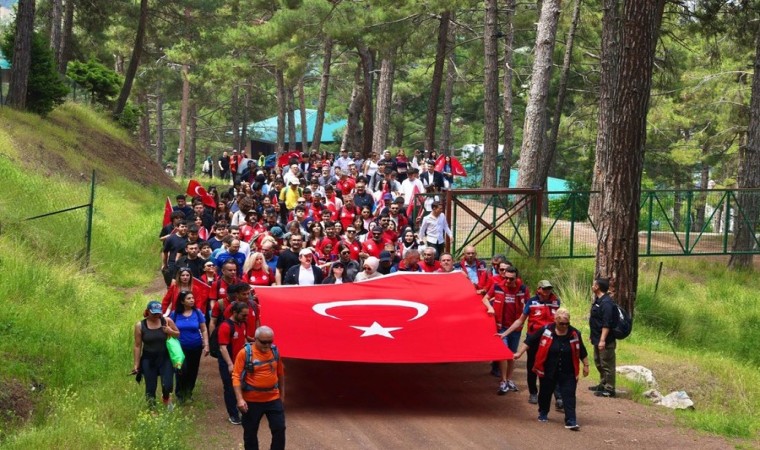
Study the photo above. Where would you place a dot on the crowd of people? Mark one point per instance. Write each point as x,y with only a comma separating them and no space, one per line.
339,220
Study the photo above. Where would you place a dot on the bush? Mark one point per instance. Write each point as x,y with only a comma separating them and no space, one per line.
102,82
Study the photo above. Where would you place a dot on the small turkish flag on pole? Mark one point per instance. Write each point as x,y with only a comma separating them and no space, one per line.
168,209
195,189
412,201
397,318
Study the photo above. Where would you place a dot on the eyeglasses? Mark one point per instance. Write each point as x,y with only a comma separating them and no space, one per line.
503,270
345,252
510,278
350,231
264,342
564,324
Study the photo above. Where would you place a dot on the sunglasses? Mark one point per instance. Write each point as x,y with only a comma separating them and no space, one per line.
345,253
264,342
510,278
564,324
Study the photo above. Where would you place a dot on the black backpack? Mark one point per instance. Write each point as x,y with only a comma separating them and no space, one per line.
624,324
213,340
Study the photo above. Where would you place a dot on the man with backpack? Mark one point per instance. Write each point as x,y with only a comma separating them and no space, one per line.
602,322
258,378
232,338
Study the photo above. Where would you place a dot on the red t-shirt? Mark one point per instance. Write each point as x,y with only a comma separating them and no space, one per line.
355,248
328,240
235,337
346,186
251,327
372,248
434,268
347,216
258,278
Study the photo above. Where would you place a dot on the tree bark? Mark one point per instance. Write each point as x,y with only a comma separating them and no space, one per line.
246,117
508,100
617,249
551,142
142,99
384,99
66,36
323,89
192,140
704,178
745,219
491,95
234,117
610,54
448,93
182,150
281,110
399,122
56,16
534,130
134,61
435,85
368,66
291,119
160,127
304,121
352,135
21,61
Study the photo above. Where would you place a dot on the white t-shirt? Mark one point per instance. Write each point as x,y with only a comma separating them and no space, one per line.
305,276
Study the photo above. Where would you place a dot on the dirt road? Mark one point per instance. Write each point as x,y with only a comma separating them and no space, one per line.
437,406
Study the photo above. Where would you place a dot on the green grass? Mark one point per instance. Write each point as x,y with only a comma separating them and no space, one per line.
66,331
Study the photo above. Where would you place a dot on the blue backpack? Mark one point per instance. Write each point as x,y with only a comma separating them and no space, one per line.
251,365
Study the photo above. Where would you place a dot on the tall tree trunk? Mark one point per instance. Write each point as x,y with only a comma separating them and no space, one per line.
192,141
234,117
291,119
184,108
551,141
368,67
352,135
246,117
68,31
491,95
617,255
21,61
610,54
531,153
142,100
745,220
398,123
435,85
323,89
129,78
56,16
509,130
282,106
448,92
304,121
159,126
704,178
384,98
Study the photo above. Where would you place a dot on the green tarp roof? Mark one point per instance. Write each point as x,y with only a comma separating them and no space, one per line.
4,63
266,130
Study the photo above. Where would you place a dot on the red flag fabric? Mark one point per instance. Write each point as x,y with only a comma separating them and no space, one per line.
398,318
168,209
412,201
284,159
195,189
457,169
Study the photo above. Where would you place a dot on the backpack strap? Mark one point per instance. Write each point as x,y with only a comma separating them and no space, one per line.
251,366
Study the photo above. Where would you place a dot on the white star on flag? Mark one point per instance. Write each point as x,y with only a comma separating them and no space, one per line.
377,330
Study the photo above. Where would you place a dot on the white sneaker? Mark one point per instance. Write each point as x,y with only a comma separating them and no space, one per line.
512,386
503,388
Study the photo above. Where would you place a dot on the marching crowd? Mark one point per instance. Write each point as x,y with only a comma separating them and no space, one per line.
323,220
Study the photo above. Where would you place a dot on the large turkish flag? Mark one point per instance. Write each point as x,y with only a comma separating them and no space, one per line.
398,318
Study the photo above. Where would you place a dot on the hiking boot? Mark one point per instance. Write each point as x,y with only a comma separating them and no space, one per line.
560,405
503,388
512,386
604,393
572,425
543,418
533,399
596,387
235,420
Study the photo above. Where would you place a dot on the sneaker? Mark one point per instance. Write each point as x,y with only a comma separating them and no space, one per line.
503,388
560,405
543,418
512,386
596,387
604,393
572,425
533,399
235,420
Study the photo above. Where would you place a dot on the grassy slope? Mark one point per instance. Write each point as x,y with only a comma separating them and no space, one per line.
66,332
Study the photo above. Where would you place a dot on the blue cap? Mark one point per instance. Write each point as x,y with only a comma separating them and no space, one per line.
154,307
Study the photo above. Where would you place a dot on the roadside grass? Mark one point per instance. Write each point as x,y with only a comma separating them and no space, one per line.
65,333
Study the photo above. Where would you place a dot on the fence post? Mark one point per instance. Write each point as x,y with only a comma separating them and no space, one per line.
539,196
572,222
493,221
448,220
649,226
689,197
726,220
90,211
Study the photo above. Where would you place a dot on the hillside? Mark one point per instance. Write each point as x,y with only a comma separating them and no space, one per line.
65,333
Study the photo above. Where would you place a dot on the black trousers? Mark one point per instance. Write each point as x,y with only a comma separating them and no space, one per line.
189,374
564,384
275,416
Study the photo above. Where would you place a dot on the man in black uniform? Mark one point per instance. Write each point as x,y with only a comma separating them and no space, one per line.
603,319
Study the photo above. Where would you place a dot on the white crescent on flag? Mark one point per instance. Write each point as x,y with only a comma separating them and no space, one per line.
321,308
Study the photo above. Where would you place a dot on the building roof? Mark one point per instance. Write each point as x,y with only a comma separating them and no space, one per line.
266,130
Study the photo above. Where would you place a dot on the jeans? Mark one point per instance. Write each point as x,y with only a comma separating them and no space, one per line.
152,367
604,361
564,384
189,374
275,416
230,402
